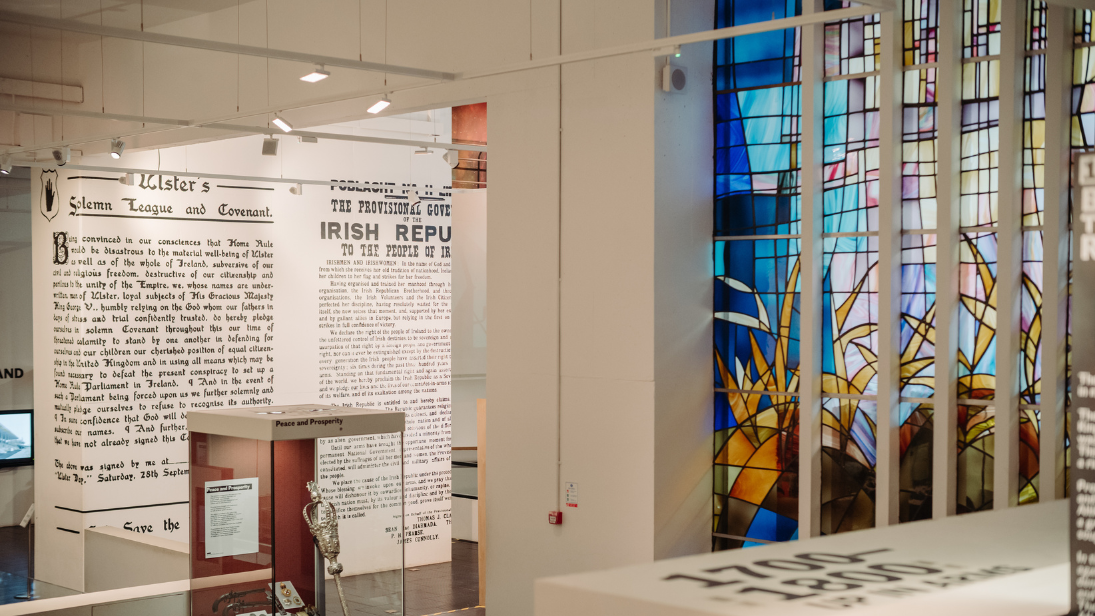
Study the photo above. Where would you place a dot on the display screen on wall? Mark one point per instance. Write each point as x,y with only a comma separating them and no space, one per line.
16,438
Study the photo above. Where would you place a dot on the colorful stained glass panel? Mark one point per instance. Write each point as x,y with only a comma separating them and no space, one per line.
918,260
756,315
848,458
916,438
1029,432
977,316
756,468
850,315
920,31
919,200
976,447
981,28
853,46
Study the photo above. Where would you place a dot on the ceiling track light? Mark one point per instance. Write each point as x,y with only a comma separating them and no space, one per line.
282,124
269,146
316,75
380,105
117,146
5,165
424,150
296,189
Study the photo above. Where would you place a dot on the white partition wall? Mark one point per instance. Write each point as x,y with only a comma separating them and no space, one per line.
211,290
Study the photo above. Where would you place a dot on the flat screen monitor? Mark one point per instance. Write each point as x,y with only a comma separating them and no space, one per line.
16,438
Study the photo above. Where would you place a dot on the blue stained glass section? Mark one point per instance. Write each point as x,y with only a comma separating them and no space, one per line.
757,104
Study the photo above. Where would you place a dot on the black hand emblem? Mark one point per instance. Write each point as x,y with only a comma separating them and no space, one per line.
49,195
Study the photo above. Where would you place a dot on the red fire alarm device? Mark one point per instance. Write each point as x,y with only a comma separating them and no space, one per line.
555,517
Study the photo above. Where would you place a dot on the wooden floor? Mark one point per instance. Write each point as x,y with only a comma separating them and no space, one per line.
432,589
451,587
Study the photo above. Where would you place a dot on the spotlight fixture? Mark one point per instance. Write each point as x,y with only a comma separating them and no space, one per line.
424,150
126,180
380,105
5,165
269,146
309,139
452,157
316,75
61,156
117,146
282,124
296,189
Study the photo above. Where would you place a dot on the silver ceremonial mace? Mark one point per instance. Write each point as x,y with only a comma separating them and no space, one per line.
323,522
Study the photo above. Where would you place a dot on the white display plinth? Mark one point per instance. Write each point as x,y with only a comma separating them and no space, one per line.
290,423
1003,563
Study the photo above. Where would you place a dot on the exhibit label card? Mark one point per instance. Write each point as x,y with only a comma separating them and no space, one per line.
231,517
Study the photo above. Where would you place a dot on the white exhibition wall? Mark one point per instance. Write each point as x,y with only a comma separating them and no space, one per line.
16,317
469,312
180,292
595,147
635,421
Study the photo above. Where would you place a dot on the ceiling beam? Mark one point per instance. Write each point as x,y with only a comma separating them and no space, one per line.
664,46
882,5
79,113
40,89
655,45
1075,4
69,25
406,190
260,130
236,128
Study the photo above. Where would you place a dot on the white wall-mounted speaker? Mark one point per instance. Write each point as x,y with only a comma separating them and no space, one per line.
674,78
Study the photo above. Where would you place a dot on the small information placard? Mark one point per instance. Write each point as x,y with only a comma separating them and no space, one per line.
231,517
572,494
1082,419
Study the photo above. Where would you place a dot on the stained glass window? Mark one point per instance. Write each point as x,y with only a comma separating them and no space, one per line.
848,460
756,327
978,209
757,229
756,468
976,444
917,429
919,204
852,46
1033,207
918,315
976,368
920,31
981,28
1036,25
849,337
1082,22
1083,139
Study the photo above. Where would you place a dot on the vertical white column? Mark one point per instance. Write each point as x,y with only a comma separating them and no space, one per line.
948,96
888,460
1051,463
1009,253
809,387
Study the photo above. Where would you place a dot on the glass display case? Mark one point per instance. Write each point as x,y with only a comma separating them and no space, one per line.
254,547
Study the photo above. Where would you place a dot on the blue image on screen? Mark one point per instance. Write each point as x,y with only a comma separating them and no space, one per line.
15,438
